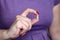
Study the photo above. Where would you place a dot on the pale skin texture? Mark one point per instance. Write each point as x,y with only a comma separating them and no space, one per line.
54,29
55,26
20,26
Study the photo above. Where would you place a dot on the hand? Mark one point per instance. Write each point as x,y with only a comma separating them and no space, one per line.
22,24
26,24
29,21
27,11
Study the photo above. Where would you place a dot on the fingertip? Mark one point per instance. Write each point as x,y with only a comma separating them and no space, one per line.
17,16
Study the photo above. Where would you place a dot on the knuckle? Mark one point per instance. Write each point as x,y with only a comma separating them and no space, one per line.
24,28
28,8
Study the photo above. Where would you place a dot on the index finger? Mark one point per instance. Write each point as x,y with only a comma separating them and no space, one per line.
27,11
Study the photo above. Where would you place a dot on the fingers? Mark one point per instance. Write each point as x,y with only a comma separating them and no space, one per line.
23,31
25,24
27,11
35,20
23,28
26,21
19,24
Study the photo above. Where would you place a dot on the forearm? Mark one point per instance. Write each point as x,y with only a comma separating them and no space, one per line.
3,35
55,30
55,26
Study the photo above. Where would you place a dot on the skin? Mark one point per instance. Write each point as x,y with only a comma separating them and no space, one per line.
55,26
12,32
20,26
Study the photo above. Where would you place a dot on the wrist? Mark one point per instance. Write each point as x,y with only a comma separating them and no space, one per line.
5,34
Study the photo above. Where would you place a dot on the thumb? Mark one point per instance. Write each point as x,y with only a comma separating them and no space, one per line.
26,12
35,20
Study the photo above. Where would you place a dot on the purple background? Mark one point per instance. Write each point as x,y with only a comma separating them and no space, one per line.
10,8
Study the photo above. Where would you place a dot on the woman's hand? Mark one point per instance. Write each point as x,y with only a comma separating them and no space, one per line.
29,21
36,13
19,27
22,24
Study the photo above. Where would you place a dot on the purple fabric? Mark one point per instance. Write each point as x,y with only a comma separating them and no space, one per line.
10,8
34,35
56,2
